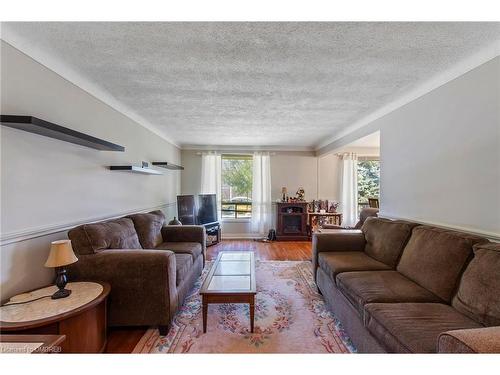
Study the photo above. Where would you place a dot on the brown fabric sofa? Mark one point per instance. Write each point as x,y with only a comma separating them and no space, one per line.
151,267
401,287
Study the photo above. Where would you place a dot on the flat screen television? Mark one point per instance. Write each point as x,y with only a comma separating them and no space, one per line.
207,208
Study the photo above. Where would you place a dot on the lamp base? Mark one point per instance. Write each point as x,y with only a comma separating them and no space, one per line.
61,293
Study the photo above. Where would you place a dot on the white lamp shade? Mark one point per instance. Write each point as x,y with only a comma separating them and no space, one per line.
61,254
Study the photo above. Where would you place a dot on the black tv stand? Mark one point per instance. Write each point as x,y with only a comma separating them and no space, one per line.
213,233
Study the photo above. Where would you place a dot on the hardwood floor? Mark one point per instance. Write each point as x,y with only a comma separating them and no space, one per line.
123,340
278,250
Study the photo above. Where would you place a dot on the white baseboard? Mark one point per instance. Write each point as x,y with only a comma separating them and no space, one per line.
26,234
495,237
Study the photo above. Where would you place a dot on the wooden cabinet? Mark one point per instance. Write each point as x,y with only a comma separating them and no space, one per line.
291,221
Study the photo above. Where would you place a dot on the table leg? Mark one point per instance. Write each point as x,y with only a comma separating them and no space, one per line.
252,313
205,310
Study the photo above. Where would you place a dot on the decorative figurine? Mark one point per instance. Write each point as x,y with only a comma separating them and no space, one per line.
300,195
333,207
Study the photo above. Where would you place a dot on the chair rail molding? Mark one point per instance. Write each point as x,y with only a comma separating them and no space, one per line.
27,234
495,237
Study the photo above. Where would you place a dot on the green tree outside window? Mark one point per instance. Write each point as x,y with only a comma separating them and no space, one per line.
368,180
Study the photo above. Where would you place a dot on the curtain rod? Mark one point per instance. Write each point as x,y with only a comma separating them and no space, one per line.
370,157
199,153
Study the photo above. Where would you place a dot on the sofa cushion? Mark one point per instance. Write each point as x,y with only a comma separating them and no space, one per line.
365,287
412,327
435,258
385,239
80,241
193,248
478,294
113,234
183,264
477,340
334,263
148,227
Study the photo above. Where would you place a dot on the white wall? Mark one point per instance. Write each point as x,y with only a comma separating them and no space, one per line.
328,177
290,169
294,170
191,176
49,185
440,155
329,170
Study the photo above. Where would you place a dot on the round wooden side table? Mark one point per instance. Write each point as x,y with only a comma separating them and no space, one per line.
81,316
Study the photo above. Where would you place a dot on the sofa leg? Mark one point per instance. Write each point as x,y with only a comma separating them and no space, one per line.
163,330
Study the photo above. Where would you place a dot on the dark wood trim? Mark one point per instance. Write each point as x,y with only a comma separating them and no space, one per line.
48,129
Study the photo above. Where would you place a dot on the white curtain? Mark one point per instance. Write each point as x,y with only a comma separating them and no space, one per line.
211,165
261,193
349,188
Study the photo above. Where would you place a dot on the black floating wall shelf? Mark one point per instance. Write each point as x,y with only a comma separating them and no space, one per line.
134,169
167,165
35,125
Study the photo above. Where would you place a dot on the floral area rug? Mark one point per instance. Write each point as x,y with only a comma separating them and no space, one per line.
290,317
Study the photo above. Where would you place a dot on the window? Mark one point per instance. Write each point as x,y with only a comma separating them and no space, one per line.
236,186
368,181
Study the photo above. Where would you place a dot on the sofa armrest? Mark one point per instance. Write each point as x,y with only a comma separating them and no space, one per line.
143,288
340,240
183,233
476,340
186,233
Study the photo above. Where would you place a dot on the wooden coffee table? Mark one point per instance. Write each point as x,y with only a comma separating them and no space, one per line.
230,280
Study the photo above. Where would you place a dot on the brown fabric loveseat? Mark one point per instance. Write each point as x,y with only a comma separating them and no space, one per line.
150,267
400,287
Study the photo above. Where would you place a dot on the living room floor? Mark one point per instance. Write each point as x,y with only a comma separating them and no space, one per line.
123,340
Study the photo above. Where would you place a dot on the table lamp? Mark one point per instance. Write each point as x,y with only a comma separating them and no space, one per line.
61,254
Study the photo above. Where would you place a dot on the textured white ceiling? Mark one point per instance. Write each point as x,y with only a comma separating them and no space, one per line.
262,84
